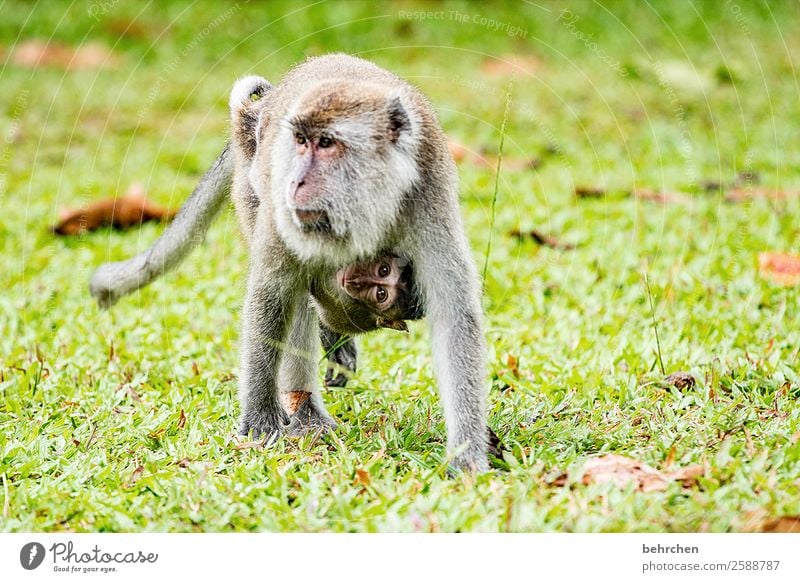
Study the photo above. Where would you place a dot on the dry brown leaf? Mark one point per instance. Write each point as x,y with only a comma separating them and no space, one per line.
688,476
293,399
461,153
157,434
458,151
661,197
670,457
37,53
248,445
130,28
589,192
363,477
131,210
513,164
681,380
623,471
134,394
785,524
182,419
543,239
379,454
711,185
511,64
513,364
782,268
745,194
137,472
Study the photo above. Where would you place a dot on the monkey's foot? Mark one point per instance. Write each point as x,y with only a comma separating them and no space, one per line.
496,447
467,465
306,417
267,425
473,459
346,356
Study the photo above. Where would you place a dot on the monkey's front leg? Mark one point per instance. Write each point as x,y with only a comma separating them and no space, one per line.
449,283
298,378
267,313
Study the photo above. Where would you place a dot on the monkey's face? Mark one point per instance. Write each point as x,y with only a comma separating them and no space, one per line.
342,162
371,295
380,286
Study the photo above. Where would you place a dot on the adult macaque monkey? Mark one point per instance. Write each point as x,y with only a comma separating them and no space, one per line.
338,167
350,161
360,298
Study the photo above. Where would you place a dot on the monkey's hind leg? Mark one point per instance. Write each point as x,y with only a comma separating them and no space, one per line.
300,393
339,351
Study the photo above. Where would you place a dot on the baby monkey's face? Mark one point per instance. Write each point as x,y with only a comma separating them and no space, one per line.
385,287
378,284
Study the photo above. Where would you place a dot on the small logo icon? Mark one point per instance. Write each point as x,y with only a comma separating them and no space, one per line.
31,555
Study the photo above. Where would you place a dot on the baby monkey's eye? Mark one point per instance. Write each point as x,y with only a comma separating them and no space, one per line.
300,139
325,142
384,270
381,294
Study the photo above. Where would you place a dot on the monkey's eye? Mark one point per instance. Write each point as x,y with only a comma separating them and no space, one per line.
381,294
325,142
384,270
300,139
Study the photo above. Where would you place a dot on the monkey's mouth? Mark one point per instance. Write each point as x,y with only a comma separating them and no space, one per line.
313,221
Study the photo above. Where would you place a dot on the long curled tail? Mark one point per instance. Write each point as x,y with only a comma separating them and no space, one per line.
112,281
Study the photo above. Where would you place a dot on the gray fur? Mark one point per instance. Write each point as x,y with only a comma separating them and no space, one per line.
395,188
395,191
112,281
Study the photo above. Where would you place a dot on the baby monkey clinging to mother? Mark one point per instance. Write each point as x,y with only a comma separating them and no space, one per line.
341,164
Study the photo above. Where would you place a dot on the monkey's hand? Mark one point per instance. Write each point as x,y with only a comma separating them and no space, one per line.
471,460
267,425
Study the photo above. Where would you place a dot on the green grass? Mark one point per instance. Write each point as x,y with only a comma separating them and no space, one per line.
91,437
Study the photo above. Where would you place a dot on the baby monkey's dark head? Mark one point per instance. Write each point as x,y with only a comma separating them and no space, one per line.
386,286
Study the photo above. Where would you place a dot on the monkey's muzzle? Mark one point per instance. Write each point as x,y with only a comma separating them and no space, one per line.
313,220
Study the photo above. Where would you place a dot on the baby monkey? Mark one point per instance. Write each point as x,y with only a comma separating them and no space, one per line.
378,293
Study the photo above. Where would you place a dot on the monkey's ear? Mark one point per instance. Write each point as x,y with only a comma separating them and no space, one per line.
399,122
395,324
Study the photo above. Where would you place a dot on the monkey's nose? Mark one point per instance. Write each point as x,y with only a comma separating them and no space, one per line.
315,220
